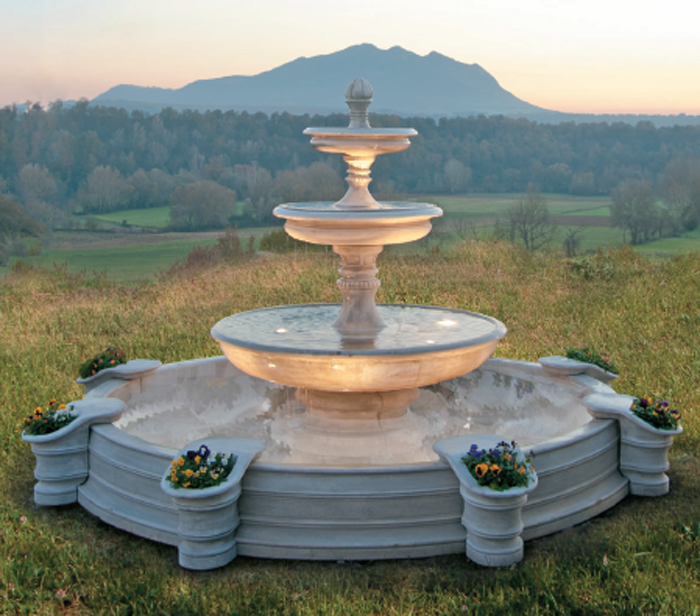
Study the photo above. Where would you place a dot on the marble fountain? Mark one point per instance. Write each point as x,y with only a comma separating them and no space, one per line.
348,420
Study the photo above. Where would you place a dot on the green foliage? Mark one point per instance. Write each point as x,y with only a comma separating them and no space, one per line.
500,468
247,152
599,266
201,205
200,469
280,242
45,421
14,221
656,413
111,357
228,249
589,356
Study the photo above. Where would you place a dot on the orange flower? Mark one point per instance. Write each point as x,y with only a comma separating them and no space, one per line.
495,469
481,470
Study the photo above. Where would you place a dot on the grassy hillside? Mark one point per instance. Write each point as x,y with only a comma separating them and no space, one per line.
642,557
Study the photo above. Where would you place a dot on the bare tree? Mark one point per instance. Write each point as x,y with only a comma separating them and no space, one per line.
36,183
106,190
679,187
463,228
529,222
634,209
458,175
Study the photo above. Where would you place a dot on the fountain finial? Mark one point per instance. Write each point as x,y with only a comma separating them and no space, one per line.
358,97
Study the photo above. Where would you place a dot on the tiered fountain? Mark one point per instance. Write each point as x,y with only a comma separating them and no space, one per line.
357,413
358,361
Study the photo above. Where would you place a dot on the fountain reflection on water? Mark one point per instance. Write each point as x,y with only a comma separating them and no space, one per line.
494,399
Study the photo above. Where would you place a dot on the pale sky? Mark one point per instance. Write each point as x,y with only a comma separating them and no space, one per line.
595,56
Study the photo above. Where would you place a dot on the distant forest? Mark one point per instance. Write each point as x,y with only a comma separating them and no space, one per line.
57,161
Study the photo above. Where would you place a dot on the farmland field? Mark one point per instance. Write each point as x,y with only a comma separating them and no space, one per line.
152,217
495,205
125,256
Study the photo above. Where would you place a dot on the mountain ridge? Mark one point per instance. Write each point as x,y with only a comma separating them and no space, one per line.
404,84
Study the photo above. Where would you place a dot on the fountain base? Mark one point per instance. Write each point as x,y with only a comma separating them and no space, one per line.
313,494
357,405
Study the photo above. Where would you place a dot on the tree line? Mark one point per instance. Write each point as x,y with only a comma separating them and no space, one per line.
91,159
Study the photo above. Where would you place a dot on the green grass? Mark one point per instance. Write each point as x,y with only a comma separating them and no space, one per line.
155,217
495,205
121,264
158,217
641,557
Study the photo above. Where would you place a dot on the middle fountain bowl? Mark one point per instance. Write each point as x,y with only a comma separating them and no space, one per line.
358,359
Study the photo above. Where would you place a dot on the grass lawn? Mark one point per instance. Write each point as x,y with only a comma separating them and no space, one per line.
640,557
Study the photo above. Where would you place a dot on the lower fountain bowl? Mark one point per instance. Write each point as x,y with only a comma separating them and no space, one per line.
329,490
296,346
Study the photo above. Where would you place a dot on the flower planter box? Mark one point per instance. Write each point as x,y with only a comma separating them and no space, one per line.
62,456
643,448
557,365
208,517
493,519
134,369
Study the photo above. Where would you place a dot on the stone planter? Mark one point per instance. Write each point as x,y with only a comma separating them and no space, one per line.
134,369
643,448
62,456
493,519
208,517
563,366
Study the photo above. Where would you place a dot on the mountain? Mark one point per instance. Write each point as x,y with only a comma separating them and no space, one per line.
404,83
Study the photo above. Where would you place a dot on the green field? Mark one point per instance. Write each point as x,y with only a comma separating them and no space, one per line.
490,206
157,217
119,264
466,217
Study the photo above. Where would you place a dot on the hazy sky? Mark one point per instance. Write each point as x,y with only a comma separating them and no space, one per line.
615,56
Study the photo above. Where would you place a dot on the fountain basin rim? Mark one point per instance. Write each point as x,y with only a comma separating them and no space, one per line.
499,331
360,133
388,212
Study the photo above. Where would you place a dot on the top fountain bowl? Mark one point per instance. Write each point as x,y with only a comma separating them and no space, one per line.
360,142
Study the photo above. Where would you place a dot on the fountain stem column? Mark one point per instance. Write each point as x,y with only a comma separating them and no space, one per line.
358,179
358,285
